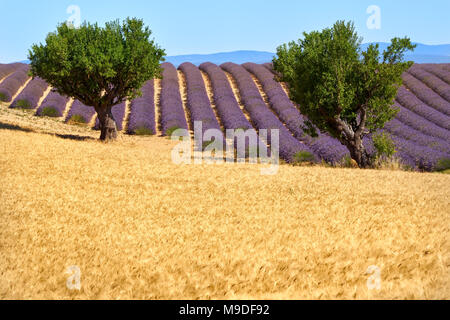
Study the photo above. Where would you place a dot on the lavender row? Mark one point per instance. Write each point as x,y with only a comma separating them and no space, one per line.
425,94
53,105
418,156
118,112
227,106
30,96
439,86
80,113
13,83
326,147
417,122
142,111
438,70
171,105
411,102
197,98
7,69
261,115
403,131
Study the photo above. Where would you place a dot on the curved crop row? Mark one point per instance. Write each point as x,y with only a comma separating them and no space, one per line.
30,96
171,105
13,83
118,112
227,106
439,86
142,112
53,105
421,124
80,113
418,156
411,102
438,70
261,115
425,94
326,147
7,69
402,130
197,98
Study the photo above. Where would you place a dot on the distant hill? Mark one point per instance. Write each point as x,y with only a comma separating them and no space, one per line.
422,54
238,57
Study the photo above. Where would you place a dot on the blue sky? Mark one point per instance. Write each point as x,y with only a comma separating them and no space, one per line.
199,26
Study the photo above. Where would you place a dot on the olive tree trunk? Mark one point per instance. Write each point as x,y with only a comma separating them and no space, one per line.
107,124
359,153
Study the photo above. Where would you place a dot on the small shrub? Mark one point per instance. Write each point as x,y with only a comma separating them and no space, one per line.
77,119
384,145
50,112
171,130
206,144
3,97
23,104
143,131
303,157
443,165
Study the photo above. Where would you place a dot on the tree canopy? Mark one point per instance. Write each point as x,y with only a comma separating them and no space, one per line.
344,91
100,66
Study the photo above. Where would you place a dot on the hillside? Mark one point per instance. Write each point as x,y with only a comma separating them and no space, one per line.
233,96
140,227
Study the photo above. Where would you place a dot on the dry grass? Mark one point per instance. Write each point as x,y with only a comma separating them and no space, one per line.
140,227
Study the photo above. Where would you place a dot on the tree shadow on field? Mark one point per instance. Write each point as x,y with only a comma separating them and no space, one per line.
8,126
14,127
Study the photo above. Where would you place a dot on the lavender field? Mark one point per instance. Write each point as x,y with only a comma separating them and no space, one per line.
248,97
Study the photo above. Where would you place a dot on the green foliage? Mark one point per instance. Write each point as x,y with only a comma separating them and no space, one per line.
23,104
171,130
2,97
342,90
302,157
77,119
50,112
100,66
143,131
384,145
443,165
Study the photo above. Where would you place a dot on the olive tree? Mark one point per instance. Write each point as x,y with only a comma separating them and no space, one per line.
99,66
341,89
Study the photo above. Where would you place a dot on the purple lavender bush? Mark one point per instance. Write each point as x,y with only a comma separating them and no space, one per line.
80,113
438,70
171,105
435,83
197,99
7,69
425,94
12,84
421,124
414,104
53,105
262,116
228,108
326,147
30,96
142,112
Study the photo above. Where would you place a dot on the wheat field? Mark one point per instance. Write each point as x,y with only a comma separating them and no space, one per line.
140,227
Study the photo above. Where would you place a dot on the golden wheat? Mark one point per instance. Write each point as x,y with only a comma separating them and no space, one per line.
140,227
